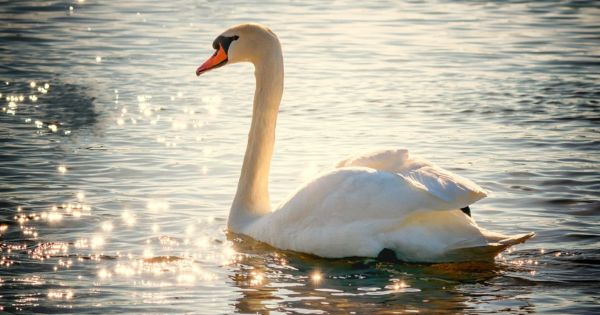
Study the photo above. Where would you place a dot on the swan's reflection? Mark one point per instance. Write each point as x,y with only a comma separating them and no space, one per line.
274,280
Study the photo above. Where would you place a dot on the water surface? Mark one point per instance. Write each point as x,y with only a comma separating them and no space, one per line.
118,165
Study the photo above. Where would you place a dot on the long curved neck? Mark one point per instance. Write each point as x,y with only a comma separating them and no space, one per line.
252,196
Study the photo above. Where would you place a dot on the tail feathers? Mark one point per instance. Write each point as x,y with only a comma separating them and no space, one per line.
487,252
516,239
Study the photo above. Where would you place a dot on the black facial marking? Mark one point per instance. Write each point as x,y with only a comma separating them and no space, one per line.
224,41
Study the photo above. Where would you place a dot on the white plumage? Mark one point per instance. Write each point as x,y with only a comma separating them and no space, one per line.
382,199
369,202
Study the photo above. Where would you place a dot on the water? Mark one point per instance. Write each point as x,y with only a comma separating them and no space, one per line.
116,181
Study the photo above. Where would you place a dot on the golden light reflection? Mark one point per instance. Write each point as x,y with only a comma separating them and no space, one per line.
128,218
399,285
316,277
168,241
148,253
229,256
97,241
125,270
157,205
62,169
53,216
104,274
60,294
81,243
107,226
46,250
256,278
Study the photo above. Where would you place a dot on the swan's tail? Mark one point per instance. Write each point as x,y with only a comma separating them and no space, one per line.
497,243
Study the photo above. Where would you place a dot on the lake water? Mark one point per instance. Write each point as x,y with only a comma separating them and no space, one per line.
118,165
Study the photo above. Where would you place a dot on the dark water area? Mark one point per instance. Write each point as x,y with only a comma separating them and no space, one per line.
118,165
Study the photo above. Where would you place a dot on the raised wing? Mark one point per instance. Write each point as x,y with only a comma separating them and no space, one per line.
443,184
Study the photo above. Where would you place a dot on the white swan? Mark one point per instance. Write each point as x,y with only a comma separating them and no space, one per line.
368,204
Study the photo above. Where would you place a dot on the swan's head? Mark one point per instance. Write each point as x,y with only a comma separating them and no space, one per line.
241,43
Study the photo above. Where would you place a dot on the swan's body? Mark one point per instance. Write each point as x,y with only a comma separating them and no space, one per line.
379,200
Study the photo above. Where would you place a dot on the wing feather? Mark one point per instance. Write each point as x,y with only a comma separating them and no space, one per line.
451,188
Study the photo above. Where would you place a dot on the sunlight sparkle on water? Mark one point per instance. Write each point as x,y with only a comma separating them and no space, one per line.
81,243
54,216
157,205
96,242
128,218
104,274
257,278
62,169
148,253
60,294
125,270
399,285
316,277
98,59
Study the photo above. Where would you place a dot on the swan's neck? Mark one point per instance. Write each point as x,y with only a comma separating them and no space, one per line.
252,197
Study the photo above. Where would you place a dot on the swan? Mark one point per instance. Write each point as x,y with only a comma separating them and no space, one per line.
381,202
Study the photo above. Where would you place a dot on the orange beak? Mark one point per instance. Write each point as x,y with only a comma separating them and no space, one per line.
218,59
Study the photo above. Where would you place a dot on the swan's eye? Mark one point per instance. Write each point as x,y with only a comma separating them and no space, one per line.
235,37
